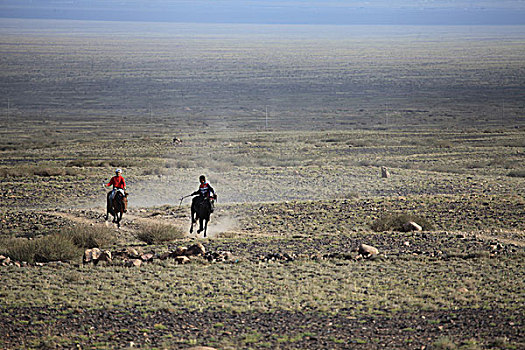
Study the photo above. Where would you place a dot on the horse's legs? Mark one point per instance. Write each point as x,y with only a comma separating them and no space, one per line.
205,227
193,214
108,210
192,218
200,226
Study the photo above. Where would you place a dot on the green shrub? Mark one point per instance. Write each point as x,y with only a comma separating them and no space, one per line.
159,233
85,236
397,222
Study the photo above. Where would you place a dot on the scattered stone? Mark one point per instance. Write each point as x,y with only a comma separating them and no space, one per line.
164,256
278,257
6,261
196,250
132,253
105,256
91,255
367,251
128,253
147,257
133,263
462,290
201,348
385,174
180,251
182,259
412,226
218,256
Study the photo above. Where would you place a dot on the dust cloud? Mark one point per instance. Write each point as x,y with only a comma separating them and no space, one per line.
221,224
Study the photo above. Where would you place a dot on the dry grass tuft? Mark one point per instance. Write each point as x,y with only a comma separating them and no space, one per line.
85,236
159,233
54,247
397,222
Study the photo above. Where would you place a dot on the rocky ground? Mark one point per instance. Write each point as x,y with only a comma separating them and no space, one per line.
253,241
294,277
130,328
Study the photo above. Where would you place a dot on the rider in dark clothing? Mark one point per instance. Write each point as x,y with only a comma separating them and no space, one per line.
205,192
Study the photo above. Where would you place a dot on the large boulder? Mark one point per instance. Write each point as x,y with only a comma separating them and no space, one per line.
148,257
91,255
412,226
105,257
133,263
196,250
367,251
182,259
218,256
6,261
132,253
164,256
180,251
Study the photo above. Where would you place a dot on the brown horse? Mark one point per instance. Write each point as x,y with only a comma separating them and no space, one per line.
119,205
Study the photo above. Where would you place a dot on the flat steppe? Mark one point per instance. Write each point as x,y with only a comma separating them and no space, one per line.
291,126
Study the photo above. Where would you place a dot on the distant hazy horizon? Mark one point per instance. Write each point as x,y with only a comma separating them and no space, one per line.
337,12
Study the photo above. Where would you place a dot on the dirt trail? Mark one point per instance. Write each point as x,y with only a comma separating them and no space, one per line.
135,218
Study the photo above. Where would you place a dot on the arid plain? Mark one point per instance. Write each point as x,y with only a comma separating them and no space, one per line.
291,125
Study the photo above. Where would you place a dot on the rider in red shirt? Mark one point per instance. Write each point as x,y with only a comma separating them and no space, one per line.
119,184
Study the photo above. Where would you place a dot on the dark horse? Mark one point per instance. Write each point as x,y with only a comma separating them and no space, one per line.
200,209
118,208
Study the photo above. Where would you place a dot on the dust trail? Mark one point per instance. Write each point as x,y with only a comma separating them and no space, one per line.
168,189
221,224
164,190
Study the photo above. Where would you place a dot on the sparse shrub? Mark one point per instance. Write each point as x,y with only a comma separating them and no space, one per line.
397,222
443,344
85,236
43,171
516,173
19,249
153,171
16,172
83,163
158,233
55,248
183,164
45,249
49,171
